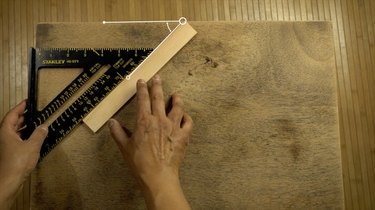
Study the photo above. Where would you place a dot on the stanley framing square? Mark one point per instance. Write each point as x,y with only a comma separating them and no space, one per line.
117,64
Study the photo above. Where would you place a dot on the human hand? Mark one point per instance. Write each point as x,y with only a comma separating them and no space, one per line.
156,148
17,157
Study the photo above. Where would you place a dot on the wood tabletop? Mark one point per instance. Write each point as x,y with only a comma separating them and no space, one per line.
264,100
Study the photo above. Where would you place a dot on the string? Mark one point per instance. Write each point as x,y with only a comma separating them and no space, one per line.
140,21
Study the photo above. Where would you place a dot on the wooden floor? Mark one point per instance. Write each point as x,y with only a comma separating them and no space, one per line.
353,24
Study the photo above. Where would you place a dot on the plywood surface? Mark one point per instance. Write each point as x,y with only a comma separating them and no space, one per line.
263,97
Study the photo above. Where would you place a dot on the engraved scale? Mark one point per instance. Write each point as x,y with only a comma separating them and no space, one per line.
121,61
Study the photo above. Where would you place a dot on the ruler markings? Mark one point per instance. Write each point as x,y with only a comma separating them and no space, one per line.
103,70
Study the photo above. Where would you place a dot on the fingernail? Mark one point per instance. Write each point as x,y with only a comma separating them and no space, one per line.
141,81
110,123
44,128
157,77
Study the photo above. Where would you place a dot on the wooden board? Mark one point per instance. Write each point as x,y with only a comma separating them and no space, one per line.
263,97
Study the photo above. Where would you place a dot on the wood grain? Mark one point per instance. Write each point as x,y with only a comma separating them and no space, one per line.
357,126
266,130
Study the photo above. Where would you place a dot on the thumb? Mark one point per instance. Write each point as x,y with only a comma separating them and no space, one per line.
38,136
118,133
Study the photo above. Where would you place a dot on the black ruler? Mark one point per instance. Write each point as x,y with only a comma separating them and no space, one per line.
122,62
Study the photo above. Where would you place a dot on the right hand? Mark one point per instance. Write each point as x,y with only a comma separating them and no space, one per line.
156,148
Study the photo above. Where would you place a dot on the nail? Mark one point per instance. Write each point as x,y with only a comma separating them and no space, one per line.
157,77
141,81
111,122
44,128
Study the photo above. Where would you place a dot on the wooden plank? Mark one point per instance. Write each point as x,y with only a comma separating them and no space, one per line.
284,160
90,10
280,11
5,62
297,8
221,10
327,12
209,10
353,110
370,58
244,10
12,82
227,10
286,10
365,110
203,10
315,10
342,69
215,10
274,15
17,69
2,29
250,10
84,10
179,9
152,64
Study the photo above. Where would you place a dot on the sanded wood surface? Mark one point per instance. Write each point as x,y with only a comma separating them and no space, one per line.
263,97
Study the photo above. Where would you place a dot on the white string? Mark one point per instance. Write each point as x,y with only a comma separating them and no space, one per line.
140,21
168,27
181,21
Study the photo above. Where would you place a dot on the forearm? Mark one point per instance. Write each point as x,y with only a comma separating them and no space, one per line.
166,195
9,188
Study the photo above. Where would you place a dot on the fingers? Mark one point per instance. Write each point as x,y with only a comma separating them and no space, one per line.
177,111
157,97
118,133
143,99
12,118
38,136
187,123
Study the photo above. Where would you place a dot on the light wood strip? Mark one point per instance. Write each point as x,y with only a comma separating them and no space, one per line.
358,172
12,82
303,10
16,69
256,10
208,7
314,9
366,111
203,9
2,29
17,52
279,11
297,9
243,8
286,11
250,10
5,83
292,14
361,81
341,63
215,10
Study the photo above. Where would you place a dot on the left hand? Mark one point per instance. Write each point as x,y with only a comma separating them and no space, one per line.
17,157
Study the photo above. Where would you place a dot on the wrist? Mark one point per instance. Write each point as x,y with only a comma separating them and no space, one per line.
10,185
164,192
156,180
